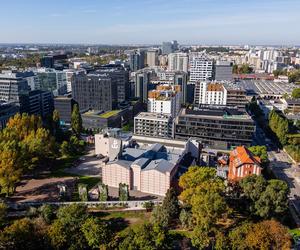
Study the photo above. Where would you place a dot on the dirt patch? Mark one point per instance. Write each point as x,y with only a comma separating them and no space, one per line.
41,189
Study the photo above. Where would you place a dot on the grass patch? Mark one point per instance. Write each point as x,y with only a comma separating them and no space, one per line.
131,219
109,113
89,181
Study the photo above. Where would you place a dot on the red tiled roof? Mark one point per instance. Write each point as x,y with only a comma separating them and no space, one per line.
241,155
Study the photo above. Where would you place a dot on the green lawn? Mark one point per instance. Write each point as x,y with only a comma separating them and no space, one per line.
89,181
126,219
109,113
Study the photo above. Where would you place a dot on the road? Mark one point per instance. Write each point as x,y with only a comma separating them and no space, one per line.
284,169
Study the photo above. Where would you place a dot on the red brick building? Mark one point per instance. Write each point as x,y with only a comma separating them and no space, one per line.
243,163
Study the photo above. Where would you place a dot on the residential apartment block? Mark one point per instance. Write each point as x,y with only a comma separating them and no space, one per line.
178,62
165,99
210,93
153,125
201,68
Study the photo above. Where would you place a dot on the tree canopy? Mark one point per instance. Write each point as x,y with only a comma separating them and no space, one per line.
296,93
266,198
24,145
76,121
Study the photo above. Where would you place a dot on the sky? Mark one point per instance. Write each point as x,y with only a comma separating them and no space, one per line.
260,22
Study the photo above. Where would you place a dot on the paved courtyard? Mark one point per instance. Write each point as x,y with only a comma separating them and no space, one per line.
41,189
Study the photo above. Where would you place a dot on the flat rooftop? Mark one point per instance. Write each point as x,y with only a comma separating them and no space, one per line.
266,87
222,112
102,114
153,116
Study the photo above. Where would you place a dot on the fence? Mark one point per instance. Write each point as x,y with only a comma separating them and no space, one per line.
90,204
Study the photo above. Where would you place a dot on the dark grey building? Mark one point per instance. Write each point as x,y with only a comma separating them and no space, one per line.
119,82
137,60
93,91
64,106
167,48
6,112
223,71
221,127
110,119
142,82
181,78
49,61
38,102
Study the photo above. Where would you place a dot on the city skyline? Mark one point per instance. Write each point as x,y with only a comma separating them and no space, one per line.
119,22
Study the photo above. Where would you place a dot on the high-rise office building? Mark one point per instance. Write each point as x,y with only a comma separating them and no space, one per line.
52,80
175,45
152,58
181,78
223,71
69,76
178,62
201,68
119,82
167,48
92,91
137,60
142,81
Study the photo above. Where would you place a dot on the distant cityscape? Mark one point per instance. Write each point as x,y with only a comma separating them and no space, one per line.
132,122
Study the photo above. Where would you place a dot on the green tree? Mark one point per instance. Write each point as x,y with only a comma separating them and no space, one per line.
95,232
22,234
253,186
207,208
238,235
171,203
24,145
3,213
203,191
146,237
274,200
161,216
197,180
268,234
65,149
261,152
296,93
186,219
266,199
47,213
65,232
76,121
200,237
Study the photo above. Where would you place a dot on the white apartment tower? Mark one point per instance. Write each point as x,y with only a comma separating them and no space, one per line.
166,99
178,62
201,68
210,93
